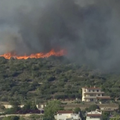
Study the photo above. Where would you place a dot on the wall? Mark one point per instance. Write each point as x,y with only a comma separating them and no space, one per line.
88,118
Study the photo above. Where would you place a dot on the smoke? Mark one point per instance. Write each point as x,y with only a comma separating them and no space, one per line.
88,29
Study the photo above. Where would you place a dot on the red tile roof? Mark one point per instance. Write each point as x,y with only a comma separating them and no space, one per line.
94,115
104,97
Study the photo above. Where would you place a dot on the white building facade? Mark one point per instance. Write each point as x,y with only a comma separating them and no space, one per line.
94,115
67,115
93,94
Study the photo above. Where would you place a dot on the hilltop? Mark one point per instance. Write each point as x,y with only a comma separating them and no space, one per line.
49,78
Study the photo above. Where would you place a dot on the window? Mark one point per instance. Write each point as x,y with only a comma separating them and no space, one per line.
98,91
91,99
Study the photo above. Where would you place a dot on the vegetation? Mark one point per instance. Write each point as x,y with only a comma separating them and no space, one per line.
12,118
115,118
77,110
51,78
35,117
51,109
105,115
92,108
29,107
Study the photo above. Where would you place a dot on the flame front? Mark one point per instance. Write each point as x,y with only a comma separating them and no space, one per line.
37,55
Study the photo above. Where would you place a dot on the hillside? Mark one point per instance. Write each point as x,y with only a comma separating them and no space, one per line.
53,77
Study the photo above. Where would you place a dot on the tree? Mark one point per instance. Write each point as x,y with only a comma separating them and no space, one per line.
29,106
11,118
15,104
21,118
105,116
35,117
51,108
119,108
81,113
14,109
77,110
92,108
116,118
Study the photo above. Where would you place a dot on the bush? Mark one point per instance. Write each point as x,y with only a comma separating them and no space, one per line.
11,118
77,110
92,108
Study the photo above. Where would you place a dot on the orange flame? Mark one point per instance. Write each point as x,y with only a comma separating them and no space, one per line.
37,55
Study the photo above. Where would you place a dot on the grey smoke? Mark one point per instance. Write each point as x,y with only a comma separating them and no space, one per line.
88,29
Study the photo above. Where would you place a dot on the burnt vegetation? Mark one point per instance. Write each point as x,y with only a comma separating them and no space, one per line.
49,78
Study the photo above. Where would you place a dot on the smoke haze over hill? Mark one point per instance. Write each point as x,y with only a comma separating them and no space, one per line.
88,29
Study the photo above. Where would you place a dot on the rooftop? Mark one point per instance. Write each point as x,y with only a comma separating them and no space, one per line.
64,112
92,88
94,114
103,97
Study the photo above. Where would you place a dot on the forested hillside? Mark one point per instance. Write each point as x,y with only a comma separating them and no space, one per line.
53,77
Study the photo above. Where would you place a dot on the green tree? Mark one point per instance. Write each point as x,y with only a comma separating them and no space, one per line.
11,118
105,115
29,106
51,108
77,110
119,108
33,106
21,118
116,118
14,109
15,104
35,117
92,108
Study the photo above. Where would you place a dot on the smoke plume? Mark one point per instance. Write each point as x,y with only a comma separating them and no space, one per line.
88,29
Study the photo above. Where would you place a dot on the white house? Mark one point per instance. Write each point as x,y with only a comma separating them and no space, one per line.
8,106
94,115
67,115
93,94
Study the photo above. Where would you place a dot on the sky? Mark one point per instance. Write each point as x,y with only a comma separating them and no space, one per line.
88,29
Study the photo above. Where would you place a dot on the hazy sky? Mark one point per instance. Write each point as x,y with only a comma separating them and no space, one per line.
88,29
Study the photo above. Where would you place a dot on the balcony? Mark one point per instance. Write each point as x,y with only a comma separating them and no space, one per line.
90,97
94,92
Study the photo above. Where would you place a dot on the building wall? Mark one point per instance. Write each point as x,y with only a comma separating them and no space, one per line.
94,115
66,116
92,118
8,106
76,117
83,97
63,116
89,94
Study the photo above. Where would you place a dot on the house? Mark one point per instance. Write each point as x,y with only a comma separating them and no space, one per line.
94,115
41,107
7,106
67,115
93,94
103,99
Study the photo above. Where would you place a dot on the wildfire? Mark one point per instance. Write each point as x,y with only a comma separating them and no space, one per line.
37,55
